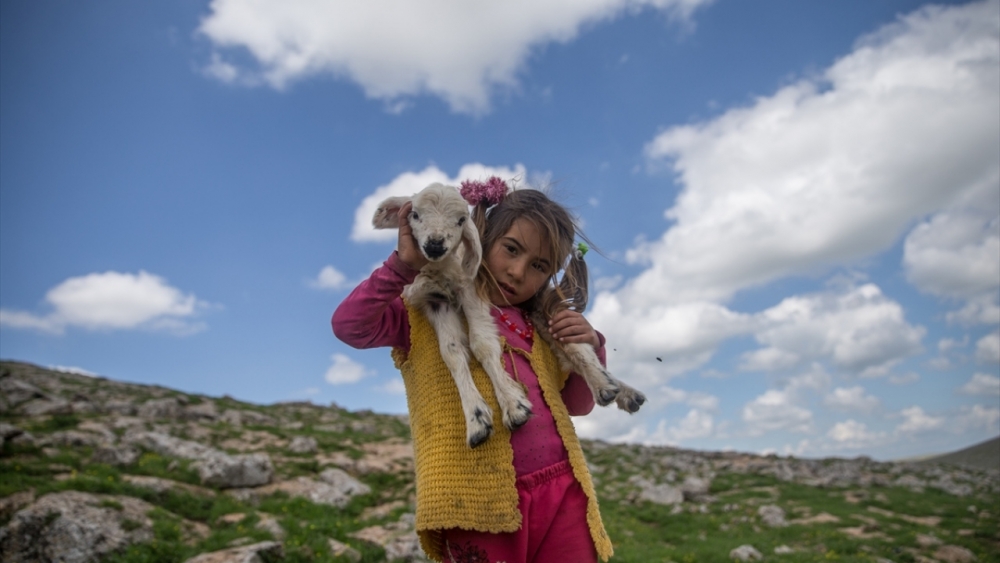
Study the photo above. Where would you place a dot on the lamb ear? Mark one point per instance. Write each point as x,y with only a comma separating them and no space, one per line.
473,249
387,214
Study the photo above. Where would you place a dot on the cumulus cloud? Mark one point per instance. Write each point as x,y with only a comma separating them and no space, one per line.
410,183
854,435
851,398
915,420
982,384
858,329
956,254
457,51
330,278
776,410
988,349
113,301
344,370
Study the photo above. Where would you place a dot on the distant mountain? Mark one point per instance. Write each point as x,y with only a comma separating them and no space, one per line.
985,455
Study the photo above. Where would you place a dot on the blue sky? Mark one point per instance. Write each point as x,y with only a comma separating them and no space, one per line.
797,203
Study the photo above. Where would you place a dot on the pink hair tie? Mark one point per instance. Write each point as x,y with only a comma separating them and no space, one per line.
492,191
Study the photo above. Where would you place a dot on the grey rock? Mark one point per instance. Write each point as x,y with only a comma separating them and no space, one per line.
226,471
16,391
154,409
338,549
75,527
118,456
772,515
262,552
745,553
303,445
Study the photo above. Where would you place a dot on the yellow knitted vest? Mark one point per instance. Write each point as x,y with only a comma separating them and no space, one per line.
474,489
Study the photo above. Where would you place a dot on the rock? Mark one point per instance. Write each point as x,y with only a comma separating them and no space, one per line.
772,515
75,527
163,485
153,409
227,472
399,539
126,408
337,494
263,552
745,553
344,483
783,550
662,494
954,554
243,417
303,445
338,549
41,407
170,446
11,504
695,488
16,391
118,456
206,410
270,525
74,439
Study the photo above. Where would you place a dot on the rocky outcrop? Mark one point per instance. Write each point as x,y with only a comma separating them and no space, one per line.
75,527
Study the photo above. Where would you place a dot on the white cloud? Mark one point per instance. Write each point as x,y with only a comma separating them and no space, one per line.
858,329
982,384
851,399
776,410
113,301
460,52
988,349
916,421
410,183
329,278
977,417
854,435
830,170
345,370
955,254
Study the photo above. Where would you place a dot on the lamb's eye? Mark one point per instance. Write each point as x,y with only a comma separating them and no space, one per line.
461,221
414,216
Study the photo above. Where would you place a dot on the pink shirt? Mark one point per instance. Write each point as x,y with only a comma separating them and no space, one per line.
373,315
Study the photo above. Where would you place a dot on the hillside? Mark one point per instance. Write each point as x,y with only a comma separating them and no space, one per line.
101,470
984,455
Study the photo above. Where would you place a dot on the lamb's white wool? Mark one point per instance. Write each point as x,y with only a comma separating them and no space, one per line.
445,289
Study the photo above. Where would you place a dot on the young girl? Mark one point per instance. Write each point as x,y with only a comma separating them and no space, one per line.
524,495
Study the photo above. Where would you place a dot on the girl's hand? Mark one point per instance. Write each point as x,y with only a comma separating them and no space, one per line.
407,246
572,327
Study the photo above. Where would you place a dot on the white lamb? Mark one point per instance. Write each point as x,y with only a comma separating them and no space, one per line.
445,289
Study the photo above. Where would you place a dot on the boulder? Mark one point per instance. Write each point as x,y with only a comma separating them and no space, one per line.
746,553
772,515
263,552
303,445
227,472
168,408
75,527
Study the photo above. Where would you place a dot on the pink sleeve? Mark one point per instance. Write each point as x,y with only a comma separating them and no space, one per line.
373,315
576,394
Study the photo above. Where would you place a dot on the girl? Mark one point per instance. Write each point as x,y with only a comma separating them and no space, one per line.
526,495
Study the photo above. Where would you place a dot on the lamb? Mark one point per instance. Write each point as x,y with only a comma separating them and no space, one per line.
444,290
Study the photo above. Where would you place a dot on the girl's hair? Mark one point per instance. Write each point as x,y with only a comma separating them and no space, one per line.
558,228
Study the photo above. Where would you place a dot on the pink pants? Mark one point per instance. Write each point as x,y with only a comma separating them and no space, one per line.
553,526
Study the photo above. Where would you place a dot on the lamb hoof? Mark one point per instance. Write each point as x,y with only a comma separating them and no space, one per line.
480,428
518,417
630,400
606,395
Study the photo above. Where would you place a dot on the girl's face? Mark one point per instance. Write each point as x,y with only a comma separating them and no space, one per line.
519,264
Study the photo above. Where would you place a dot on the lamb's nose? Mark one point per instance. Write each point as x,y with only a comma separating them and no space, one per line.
434,248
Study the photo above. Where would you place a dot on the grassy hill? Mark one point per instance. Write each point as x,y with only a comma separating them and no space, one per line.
338,486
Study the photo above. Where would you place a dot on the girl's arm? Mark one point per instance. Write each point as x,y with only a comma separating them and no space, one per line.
572,327
373,315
